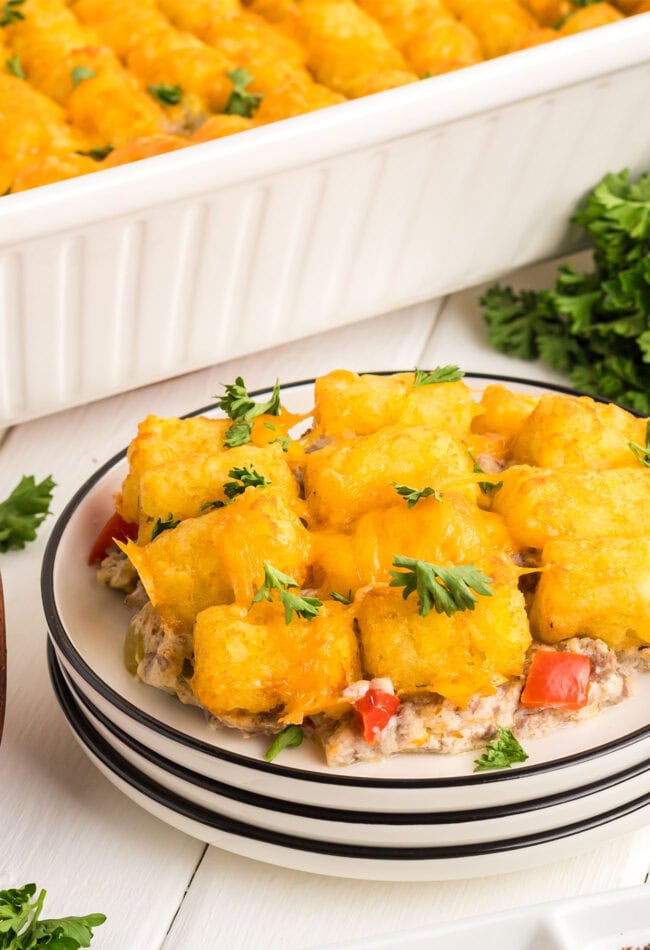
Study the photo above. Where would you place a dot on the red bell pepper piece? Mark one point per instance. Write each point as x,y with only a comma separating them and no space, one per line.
557,681
116,528
373,712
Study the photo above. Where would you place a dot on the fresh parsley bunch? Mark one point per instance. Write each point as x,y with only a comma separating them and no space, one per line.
22,512
22,929
594,327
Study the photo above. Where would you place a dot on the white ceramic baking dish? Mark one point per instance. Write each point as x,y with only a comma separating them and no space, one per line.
149,270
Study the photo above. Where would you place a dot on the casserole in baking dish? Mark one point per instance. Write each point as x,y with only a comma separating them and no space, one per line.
303,225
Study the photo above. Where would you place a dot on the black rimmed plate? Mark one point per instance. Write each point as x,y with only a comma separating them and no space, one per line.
87,624
378,862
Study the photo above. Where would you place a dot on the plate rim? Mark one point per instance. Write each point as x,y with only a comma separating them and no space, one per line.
329,813
97,745
60,637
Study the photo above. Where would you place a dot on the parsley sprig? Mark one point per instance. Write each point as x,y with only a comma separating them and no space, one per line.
23,510
14,66
595,326
642,453
306,607
165,94
241,102
99,153
486,487
239,406
413,495
161,525
10,12
501,752
244,478
22,929
340,598
80,73
289,738
442,374
446,589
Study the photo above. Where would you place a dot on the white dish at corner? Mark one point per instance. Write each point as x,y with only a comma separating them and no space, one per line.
321,856
87,625
608,921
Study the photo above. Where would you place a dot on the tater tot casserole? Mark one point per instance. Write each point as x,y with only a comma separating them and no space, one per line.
88,85
408,568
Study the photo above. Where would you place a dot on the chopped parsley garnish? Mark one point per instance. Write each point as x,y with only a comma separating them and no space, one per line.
239,434
99,153
442,374
289,738
413,495
486,487
501,752
306,607
642,454
23,511
284,441
245,478
340,598
10,12
241,102
238,405
166,525
594,326
80,73
446,589
167,95
14,66
21,928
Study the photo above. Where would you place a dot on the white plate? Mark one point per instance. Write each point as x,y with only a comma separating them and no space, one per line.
598,922
87,624
342,859
364,828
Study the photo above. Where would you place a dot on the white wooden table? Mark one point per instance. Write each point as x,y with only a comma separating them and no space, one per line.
65,827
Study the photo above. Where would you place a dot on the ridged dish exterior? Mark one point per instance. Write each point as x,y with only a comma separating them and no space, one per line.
151,270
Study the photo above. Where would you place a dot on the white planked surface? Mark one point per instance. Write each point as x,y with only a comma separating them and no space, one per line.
63,826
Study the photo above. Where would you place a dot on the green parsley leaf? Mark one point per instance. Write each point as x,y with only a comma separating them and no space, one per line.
340,598
306,607
239,434
640,452
238,405
289,738
501,752
14,66
446,589
22,929
442,374
486,487
80,73
241,102
10,13
166,95
168,525
284,441
247,478
99,153
23,511
413,495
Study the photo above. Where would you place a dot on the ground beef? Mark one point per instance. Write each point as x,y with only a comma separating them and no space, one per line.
117,572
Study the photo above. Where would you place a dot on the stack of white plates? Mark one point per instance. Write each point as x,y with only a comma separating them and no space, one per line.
413,817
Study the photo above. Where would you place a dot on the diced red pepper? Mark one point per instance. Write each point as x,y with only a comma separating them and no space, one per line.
116,528
557,681
373,712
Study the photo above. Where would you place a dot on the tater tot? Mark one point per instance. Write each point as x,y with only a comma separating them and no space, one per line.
595,588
